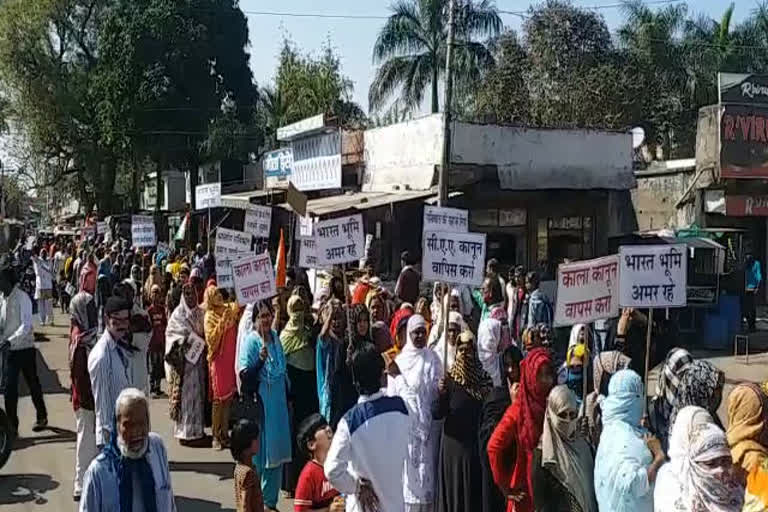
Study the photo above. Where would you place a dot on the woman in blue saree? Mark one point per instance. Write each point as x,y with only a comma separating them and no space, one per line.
261,365
628,458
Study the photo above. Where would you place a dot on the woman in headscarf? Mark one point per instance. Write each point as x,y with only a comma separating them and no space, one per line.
417,382
336,394
456,326
378,306
520,428
748,438
700,474
82,337
702,386
154,279
221,338
402,314
660,409
262,366
360,333
627,458
184,369
574,368
460,402
496,403
605,365
563,469
300,367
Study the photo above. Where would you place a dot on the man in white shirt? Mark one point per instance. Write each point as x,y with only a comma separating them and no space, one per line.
365,461
16,330
109,365
132,471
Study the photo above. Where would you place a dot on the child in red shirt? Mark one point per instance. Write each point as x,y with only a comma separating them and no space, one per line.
159,319
313,491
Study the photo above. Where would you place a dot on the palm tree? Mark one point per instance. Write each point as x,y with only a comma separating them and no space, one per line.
411,49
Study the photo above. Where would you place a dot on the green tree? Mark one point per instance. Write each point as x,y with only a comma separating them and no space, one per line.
410,50
305,86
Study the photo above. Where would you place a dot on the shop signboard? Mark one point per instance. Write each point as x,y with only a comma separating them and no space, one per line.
743,88
754,205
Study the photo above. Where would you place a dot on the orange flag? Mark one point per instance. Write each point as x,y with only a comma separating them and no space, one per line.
280,271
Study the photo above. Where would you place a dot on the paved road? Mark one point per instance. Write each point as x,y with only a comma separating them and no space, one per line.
38,476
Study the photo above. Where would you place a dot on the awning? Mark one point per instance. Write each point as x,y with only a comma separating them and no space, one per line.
360,201
252,194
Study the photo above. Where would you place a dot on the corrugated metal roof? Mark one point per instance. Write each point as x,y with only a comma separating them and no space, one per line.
360,201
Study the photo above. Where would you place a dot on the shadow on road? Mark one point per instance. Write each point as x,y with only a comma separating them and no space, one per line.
49,380
29,488
224,470
57,435
196,505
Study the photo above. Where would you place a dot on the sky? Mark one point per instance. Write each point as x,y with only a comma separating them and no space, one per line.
354,38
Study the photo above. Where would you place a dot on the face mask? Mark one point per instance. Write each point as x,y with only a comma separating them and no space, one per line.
575,374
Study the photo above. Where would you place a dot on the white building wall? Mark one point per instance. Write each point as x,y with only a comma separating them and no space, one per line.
403,154
406,154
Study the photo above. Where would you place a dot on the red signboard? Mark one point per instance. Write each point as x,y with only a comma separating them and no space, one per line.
747,206
744,142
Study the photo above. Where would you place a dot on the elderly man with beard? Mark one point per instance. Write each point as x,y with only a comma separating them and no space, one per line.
132,473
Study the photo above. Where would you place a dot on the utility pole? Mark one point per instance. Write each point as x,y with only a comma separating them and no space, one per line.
442,191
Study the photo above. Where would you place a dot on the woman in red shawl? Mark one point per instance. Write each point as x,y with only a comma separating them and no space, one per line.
517,434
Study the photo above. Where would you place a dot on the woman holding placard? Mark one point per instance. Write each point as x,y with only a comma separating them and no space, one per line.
184,368
221,338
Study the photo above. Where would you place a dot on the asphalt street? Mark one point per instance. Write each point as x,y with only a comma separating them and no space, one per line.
38,476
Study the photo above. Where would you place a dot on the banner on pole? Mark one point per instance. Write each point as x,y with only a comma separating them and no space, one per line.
208,195
258,220
457,258
653,276
254,279
308,253
587,291
231,245
304,228
143,231
340,240
445,219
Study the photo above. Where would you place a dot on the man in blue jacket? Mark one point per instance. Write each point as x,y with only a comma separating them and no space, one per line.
752,278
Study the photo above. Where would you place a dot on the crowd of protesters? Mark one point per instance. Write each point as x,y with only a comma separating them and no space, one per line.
366,397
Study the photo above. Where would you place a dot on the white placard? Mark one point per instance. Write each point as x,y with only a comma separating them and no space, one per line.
653,276
224,277
232,243
102,227
254,279
308,253
143,231
30,243
208,196
195,349
445,219
587,291
340,240
304,228
230,246
457,258
258,220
